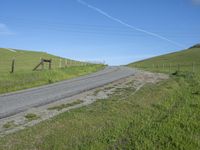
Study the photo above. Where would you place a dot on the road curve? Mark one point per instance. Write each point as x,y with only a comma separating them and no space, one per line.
15,102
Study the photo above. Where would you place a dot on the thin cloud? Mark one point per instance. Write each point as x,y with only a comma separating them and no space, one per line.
4,30
128,25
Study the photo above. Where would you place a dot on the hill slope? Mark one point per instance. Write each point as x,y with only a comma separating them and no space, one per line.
23,76
184,59
27,60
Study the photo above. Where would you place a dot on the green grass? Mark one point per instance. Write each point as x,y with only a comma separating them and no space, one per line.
31,117
9,124
169,62
63,106
27,60
24,77
162,116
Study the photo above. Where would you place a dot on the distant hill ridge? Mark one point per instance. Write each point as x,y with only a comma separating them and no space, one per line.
187,56
196,46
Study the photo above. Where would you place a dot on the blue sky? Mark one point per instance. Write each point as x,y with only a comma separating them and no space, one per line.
71,29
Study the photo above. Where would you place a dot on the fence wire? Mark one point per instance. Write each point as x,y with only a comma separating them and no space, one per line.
189,67
29,65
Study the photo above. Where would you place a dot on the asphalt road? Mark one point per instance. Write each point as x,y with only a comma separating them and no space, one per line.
13,103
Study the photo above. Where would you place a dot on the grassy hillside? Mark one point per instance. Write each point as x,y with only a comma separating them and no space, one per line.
184,67
27,60
186,60
24,77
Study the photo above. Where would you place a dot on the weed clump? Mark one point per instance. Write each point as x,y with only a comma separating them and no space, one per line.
31,117
9,124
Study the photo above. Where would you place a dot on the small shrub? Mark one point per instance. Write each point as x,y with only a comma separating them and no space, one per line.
175,73
31,117
9,124
50,81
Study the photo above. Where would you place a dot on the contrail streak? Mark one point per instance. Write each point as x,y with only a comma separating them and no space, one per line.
126,24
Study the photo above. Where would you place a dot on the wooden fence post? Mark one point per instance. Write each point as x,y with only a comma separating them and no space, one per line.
42,63
13,66
50,61
60,65
65,63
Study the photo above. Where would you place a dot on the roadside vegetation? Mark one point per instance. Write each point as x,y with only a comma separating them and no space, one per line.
63,106
31,117
161,116
28,79
9,124
24,77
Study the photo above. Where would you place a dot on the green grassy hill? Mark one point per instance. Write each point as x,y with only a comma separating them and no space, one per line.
25,61
186,60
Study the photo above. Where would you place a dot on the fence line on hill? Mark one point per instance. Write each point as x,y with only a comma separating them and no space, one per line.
16,64
191,67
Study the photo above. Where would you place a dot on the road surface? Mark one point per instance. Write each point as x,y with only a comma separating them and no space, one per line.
13,103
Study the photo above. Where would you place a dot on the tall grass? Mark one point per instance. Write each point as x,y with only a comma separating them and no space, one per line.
27,79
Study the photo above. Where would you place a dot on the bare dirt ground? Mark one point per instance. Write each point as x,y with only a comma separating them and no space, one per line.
36,115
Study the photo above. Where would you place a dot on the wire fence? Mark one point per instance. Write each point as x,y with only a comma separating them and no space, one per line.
17,65
170,68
